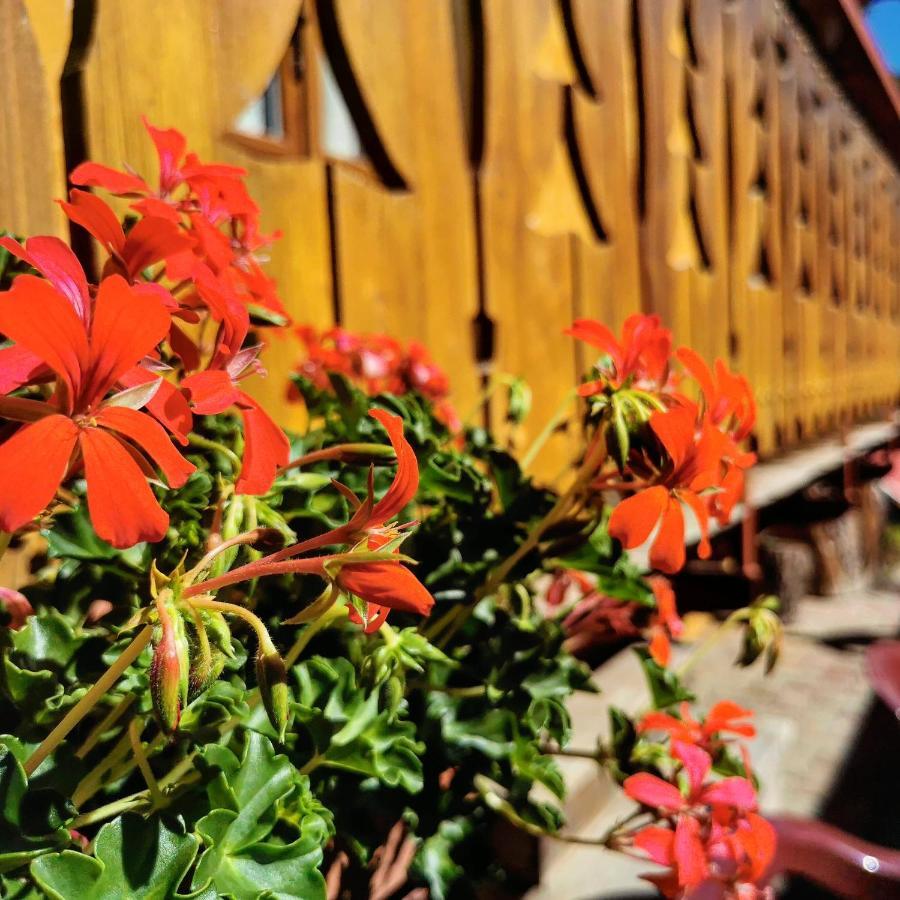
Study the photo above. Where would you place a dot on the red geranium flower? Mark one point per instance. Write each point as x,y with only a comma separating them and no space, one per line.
718,836
78,427
731,407
151,240
692,465
642,355
724,717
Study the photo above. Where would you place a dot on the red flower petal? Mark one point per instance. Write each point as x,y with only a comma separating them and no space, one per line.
696,762
149,435
93,174
406,480
725,716
33,462
19,366
657,843
122,507
667,552
127,325
701,511
633,518
39,319
759,841
734,792
170,146
210,392
666,610
659,721
697,367
660,646
150,241
651,790
266,448
387,584
689,854
97,218
675,430
597,335
59,265
168,405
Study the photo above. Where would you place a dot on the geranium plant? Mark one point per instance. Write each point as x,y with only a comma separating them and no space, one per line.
336,663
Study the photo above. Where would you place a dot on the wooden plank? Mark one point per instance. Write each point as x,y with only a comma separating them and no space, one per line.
407,256
531,207
34,41
605,112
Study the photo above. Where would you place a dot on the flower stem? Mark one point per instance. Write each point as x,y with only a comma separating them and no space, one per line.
95,779
546,432
593,458
205,443
336,612
342,453
234,610
709,643
134,736
104,725
89,700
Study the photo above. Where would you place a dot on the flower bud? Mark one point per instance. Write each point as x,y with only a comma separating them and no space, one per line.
165,679
14,608
271,676
211,646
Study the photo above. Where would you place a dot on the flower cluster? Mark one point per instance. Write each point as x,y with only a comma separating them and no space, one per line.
192,639
105,379
707,832
376,363
669,448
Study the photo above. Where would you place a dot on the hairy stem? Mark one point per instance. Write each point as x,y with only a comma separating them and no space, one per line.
89,700
104,725
135,727
205,443
547,431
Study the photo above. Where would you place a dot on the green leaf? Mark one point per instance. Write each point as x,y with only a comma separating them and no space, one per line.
244,857
343,726
48,638
16,846
665,686
435,857
133,857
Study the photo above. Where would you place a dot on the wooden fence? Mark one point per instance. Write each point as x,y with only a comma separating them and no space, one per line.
511,164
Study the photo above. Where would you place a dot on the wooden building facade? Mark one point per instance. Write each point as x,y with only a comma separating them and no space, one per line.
477,173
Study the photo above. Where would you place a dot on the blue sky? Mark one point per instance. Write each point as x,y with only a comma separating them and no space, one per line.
883,19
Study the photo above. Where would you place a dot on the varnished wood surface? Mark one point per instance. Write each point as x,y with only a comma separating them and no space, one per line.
522,162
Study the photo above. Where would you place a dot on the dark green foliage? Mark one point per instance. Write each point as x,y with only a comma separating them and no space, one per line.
400,725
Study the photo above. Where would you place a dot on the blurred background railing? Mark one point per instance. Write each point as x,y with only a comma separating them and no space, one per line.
476,174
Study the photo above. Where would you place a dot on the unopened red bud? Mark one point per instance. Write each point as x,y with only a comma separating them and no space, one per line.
170,666
165,679
271,676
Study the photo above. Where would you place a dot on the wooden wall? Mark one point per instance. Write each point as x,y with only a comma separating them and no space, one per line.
523,162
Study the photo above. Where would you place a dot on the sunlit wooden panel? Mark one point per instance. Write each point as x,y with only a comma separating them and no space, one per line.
404,215
34,41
